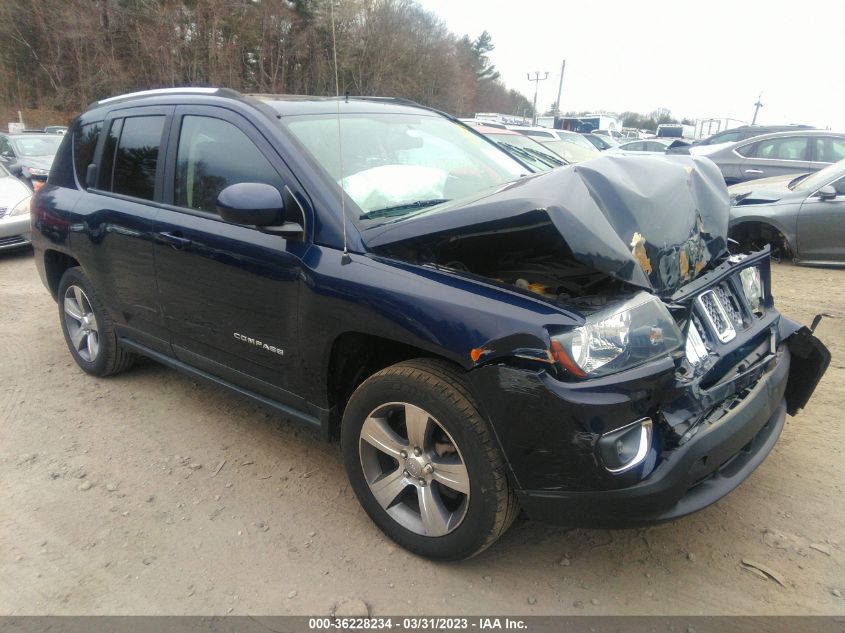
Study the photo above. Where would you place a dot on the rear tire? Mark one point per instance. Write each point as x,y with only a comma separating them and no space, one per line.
88,329
449,500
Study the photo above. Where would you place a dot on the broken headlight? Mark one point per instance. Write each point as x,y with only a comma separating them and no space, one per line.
752,288
619,337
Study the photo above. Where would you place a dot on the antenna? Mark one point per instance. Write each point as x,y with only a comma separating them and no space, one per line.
345,258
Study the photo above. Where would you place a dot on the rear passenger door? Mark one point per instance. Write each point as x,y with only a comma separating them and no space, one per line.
228,292
114,240
776,157
826,150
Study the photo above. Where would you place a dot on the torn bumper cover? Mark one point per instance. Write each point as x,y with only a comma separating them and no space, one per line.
556,466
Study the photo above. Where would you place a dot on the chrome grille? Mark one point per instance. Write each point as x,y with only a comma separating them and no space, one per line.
730,304
717,316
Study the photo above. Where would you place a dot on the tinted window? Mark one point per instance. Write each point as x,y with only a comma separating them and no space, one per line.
84,144
653,146
6,147
636,146
829,149
106,171
839,185
212,155
790,148
747,150
137,156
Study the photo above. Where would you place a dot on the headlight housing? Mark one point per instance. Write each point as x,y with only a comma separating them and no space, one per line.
752,288
22,207
35,171
619,337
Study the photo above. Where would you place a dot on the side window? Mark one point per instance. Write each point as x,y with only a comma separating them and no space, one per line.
84,144
136,157
655,147
106,169
6,147
748,150
830,149
791,148
212,155
639,146
839,185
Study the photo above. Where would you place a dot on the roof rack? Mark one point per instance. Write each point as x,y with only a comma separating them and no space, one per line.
184,90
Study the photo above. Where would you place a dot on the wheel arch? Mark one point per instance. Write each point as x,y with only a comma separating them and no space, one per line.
773,232
355,356
55,265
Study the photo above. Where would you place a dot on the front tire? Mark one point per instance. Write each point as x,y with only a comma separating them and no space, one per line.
88,329
424,464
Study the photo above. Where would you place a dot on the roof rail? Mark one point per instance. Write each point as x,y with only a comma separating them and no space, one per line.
185,90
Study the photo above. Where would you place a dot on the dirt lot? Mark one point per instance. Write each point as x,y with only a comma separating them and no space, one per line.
113,500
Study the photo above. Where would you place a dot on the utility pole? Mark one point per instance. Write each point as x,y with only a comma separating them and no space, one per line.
757,107
559,91
537,79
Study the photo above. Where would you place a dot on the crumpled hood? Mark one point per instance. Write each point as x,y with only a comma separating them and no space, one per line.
652,221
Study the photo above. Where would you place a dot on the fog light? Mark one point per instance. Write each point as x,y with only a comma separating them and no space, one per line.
627,447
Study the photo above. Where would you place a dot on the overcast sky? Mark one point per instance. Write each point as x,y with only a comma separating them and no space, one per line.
700,58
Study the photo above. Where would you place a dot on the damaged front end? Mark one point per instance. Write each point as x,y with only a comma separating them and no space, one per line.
674,383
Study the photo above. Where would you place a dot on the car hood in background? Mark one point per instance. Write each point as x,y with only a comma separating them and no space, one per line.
763,189
652,221
12,191
38,162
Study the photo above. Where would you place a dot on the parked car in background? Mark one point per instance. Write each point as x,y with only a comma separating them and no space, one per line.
734,135
523,148
777,154
14,211
647,146
747,131
29,156
599,141
55,129
801,216
571,152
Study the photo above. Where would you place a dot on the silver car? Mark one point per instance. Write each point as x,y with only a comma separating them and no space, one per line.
776,154
802,216
14,211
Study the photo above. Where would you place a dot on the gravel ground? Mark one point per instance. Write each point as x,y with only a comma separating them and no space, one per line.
150,493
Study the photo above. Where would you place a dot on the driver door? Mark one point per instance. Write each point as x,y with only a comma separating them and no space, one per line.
821,227
228,292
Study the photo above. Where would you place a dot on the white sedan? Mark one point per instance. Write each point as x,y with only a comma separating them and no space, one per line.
14,211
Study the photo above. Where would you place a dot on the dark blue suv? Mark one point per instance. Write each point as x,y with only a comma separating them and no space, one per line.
579,343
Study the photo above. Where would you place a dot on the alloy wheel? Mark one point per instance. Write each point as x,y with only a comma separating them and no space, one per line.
414,469
81,323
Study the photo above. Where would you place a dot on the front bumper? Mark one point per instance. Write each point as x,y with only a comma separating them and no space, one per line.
15,231
688,478
559,478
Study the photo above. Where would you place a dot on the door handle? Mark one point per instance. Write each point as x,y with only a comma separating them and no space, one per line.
753,171
174,239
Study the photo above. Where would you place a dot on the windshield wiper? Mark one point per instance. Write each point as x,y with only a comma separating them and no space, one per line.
401,209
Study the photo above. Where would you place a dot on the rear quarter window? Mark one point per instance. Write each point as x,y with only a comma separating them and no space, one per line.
61,172
84,144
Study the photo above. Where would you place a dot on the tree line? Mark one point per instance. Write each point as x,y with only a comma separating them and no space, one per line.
61,55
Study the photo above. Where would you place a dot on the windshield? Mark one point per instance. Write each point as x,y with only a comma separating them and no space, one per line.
395,164
37,145
571,152
820,178
529,151
574,137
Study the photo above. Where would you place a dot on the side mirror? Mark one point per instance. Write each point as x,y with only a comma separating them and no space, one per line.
828,192
257,204
91,176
